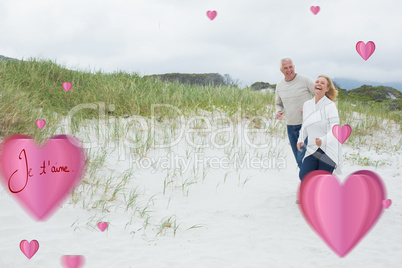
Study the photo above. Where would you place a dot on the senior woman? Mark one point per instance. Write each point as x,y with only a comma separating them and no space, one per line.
320,114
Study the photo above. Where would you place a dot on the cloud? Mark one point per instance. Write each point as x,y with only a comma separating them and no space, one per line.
246,39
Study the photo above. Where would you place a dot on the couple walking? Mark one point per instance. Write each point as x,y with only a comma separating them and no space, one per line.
309,120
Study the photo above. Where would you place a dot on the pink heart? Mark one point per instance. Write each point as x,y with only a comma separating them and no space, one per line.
29,248
67,86
365,50
211,14
40,178
40,123
342,214
72,261
342,133
102,226
386,203
315,10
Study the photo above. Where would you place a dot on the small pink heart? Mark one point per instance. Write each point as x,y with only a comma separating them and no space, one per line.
67,86
102,226
72,261
342,133
40,123
386,203
342,214
29,248
211,14
315,10
365,50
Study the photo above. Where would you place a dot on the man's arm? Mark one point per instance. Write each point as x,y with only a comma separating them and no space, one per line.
310,85
278,105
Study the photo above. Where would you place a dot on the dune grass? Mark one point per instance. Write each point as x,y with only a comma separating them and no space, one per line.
33,89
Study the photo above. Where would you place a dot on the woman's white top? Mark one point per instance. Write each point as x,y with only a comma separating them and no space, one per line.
318,121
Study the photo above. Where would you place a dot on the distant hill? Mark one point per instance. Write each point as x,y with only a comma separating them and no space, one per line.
209,79
261,85
6,58
380,94
351,84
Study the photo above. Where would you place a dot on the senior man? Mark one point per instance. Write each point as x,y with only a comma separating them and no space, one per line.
291,93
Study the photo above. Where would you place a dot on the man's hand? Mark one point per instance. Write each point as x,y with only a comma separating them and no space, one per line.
279,115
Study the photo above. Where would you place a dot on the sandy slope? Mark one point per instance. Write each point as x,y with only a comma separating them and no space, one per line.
249,220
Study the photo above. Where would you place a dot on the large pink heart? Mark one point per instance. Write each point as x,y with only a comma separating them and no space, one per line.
342,214
41,178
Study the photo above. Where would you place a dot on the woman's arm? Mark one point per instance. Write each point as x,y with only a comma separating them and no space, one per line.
303,131
332,118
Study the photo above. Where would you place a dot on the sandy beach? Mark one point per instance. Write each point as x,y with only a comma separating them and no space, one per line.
210,207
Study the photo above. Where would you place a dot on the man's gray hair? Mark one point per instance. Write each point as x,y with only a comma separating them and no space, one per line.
285,59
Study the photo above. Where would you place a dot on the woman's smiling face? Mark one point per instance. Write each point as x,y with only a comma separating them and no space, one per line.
320,87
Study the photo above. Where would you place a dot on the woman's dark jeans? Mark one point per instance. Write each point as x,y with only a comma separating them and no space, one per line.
317,161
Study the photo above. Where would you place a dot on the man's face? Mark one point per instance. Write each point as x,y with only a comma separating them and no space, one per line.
288,70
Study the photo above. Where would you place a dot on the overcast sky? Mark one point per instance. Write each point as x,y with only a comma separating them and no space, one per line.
246,39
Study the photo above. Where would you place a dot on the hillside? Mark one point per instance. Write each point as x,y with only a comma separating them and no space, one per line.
387,96
6,58
378,94
213,79
349,84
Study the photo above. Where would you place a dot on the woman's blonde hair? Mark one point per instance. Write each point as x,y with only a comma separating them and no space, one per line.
332,92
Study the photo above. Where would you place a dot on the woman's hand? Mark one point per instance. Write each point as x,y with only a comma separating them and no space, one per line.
300,144
318,142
